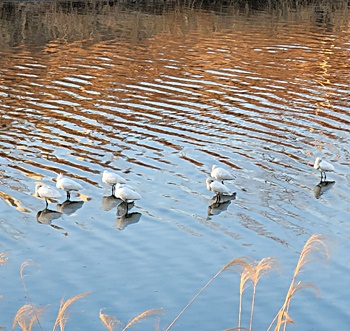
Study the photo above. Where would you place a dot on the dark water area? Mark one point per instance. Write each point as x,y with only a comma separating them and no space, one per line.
159,97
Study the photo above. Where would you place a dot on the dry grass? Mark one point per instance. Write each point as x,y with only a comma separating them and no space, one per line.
26,317
143,315
110,322
314,248
62,315
252,271
250,274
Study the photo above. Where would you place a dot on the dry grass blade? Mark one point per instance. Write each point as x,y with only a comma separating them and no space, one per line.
238,261
26,316
143,315
253,273
62,316
110,322
26,264
315,244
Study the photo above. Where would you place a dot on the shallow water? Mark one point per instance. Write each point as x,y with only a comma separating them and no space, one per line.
160,98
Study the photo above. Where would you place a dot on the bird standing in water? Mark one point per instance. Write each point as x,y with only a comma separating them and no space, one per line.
220,174
68,185
111,178
46,192
126,193
323,167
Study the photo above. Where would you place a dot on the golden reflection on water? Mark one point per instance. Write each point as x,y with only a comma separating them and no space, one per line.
110,88
162,96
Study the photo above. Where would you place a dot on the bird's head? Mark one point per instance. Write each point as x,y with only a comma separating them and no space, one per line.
37,186
317,163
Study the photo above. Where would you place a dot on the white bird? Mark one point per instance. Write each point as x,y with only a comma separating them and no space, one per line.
111,178
46,192
220,174
67,184
126,193
217,187
323,167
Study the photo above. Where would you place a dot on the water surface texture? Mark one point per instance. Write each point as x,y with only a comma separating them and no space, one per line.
159,96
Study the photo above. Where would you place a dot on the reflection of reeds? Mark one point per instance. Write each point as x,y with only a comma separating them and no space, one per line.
3,258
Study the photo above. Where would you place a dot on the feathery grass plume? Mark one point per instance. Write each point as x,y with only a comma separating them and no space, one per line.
315,244
142,316
238,261
21,273
24,265
110,322
253,273
62,316
26,316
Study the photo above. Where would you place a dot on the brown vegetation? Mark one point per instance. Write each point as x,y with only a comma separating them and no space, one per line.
250,274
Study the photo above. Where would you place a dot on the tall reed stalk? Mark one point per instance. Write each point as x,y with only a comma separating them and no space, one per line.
315,244
251,272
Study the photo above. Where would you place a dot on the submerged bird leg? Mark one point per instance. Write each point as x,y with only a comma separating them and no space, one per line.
325,176
113,189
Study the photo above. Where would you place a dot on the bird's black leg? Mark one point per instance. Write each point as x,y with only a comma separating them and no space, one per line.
325,175
113,189
46,204
68,195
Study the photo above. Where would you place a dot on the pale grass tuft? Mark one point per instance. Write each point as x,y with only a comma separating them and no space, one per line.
62,315
26,316
35,310
143,315
253,273
110,322
26,264
315,244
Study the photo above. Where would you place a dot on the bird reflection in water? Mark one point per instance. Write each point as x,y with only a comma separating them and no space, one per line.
322,187
69,207
129,218
46,216
110,202
220,203
124,218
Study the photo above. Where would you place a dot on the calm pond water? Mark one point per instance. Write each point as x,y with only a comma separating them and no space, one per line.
160,95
